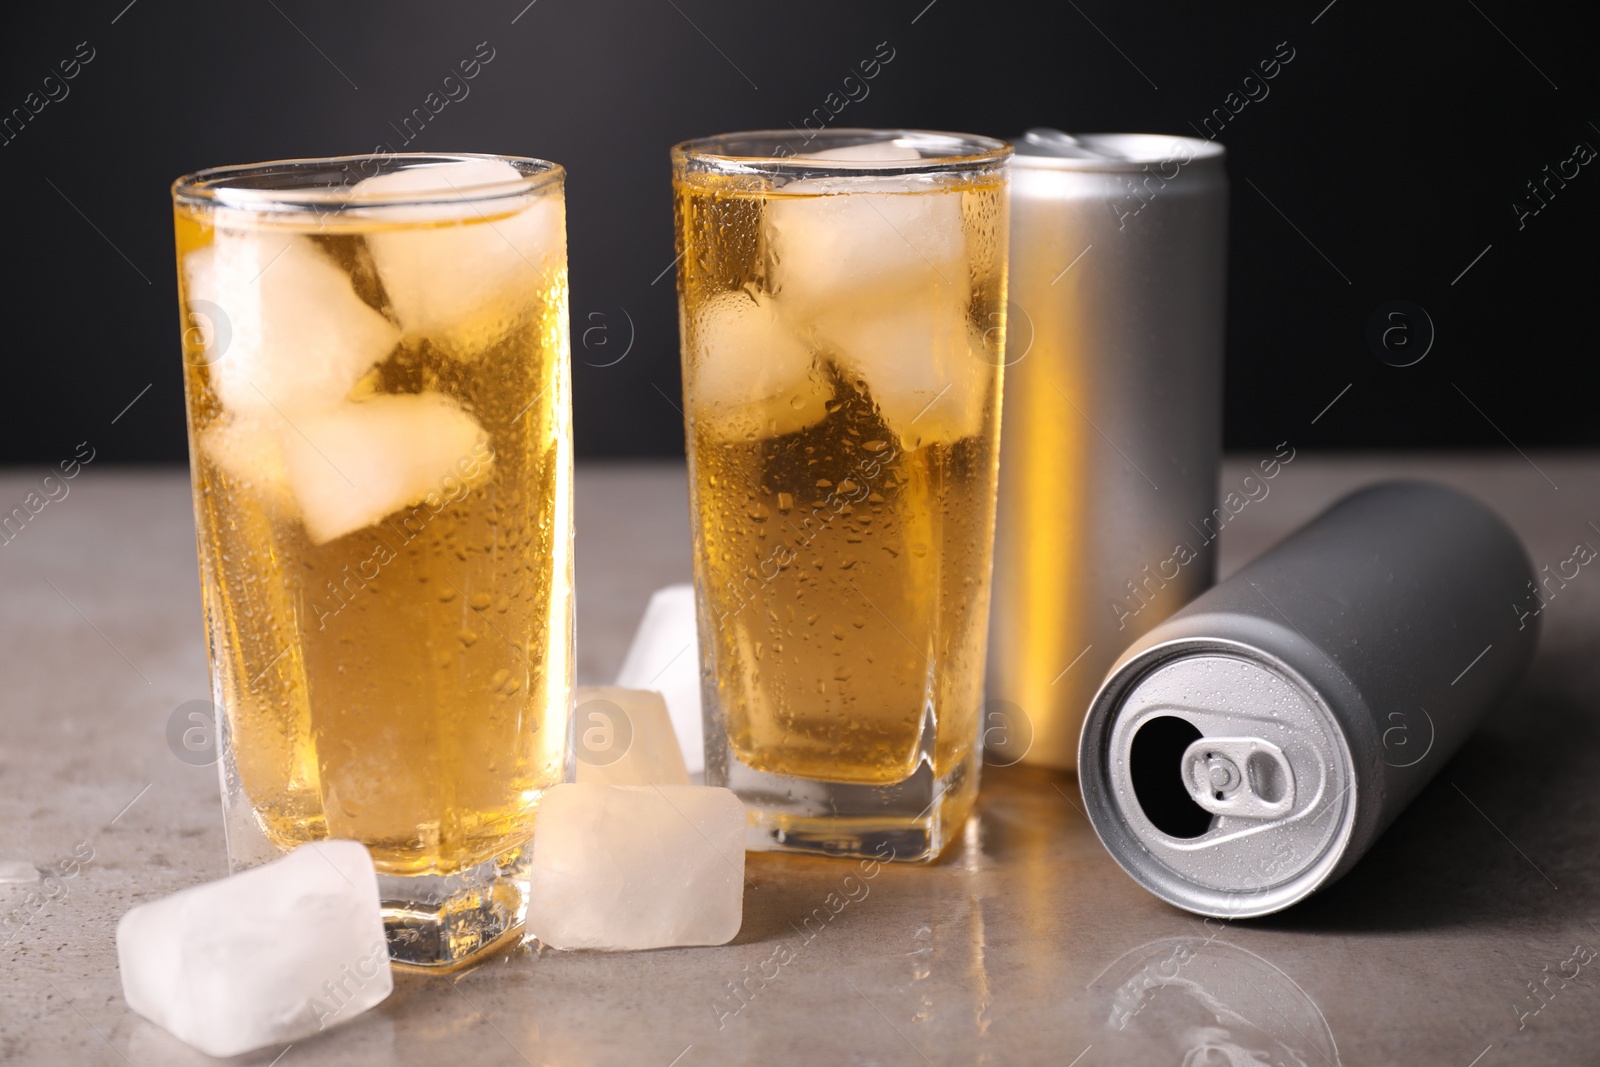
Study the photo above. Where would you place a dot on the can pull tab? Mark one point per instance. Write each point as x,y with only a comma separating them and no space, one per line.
1242,776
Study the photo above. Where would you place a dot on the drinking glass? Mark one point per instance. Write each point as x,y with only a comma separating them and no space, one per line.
843,313
376,368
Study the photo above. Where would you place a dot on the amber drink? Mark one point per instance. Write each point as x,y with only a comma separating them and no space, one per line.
376,365
843,313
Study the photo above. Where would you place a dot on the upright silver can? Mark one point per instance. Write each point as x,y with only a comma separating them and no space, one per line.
1250,749
1113,422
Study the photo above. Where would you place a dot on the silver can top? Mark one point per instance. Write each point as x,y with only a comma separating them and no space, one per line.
1048,149
1220,778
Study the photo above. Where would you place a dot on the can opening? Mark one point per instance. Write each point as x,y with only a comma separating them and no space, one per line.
1155,766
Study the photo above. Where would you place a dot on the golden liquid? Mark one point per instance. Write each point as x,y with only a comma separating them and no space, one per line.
405,685
842,568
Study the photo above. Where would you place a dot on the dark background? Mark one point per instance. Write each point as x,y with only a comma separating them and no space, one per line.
1392,149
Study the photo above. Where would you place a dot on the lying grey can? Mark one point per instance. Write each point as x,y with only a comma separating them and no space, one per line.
1113,418
1251,748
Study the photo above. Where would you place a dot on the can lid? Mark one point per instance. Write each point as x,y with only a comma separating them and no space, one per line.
1044,141
1052,149
1218,778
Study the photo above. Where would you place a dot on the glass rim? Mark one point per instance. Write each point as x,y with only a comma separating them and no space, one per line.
228,187
956,151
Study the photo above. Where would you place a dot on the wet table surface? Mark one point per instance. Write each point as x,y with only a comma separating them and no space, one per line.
1024,944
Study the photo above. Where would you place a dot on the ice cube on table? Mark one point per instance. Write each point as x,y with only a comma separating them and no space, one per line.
296,337
625,737
926,366
874,152
635,867
351,466
269,956
21,872
665,657
829,248
750,374
463,273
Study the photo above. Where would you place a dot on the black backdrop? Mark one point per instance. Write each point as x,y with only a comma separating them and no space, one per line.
1386,162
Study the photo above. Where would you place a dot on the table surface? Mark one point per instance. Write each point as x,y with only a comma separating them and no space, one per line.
1024,944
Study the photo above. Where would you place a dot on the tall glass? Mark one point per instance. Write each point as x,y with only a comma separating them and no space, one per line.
843,312
376,367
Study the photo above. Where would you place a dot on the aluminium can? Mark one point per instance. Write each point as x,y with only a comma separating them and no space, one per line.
1250,749
1113,418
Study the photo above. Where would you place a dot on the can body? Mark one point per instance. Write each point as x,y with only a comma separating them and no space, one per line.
1113,423
1250,749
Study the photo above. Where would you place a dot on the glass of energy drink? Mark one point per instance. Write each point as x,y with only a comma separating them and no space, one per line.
376,369
843,311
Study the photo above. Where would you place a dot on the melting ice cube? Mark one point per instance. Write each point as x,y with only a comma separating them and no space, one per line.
436,189
924,364
464,273
248,451
265,957
297,337
18,872
351,466
750,375
625,737
665,656
830,248
875,152
200,274
880,279
637,867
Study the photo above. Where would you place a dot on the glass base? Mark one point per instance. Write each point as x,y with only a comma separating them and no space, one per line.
910,821
439,922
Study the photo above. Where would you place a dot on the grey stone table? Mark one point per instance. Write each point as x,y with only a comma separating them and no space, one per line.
1025,944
